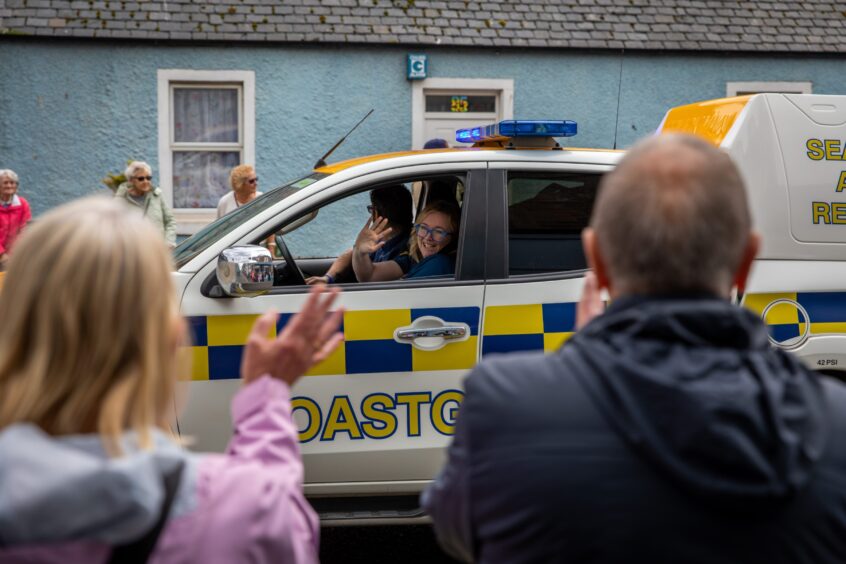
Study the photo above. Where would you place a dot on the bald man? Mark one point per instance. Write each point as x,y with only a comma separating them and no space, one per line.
667,429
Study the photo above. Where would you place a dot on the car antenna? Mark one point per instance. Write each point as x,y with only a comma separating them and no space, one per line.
322,161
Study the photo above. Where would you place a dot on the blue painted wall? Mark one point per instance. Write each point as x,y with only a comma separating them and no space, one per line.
71,111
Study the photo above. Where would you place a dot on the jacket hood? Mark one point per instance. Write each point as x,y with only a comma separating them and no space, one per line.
695,387
67,488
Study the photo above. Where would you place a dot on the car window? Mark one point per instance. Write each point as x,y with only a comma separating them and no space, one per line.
332,231
203,239
546,214
335,226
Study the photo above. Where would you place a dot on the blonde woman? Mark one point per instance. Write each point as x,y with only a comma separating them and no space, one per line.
138,191
431,246
88,468
244,184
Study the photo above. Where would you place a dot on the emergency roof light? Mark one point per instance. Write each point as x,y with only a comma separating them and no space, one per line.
512,128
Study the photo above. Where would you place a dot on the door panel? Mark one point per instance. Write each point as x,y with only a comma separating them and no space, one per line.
535,266
374,396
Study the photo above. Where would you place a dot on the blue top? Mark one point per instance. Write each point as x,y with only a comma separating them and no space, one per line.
435,265
391,250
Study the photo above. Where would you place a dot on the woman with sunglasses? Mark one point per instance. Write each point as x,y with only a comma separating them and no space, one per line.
430,250
244,184
138,191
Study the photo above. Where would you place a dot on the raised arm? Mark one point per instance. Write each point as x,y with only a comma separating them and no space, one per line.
372,237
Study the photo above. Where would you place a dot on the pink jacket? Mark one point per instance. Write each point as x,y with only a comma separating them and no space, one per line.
13,218
243,506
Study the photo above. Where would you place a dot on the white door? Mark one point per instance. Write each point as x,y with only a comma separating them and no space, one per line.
440,106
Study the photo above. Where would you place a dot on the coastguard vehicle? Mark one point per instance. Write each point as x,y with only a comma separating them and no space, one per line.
375,417
790,152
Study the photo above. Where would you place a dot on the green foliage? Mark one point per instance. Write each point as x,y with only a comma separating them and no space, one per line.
115,180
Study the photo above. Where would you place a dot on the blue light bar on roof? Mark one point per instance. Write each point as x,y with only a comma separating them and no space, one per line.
517,128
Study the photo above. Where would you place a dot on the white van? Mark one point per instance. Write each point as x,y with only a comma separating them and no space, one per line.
791,151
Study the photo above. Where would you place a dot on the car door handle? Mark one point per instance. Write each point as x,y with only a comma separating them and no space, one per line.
445,332
430,333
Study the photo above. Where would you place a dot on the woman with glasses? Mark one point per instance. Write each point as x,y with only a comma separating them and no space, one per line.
244,184
430,250
138,191
14,213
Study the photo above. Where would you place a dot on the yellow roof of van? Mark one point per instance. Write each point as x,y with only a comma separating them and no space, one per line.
710,120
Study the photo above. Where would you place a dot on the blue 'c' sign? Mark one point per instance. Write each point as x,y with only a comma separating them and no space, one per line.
418,66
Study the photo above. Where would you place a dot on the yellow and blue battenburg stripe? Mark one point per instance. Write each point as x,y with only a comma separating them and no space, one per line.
533,327
826,313
368,347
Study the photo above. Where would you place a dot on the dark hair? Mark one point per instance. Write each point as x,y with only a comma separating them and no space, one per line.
394,202
436,143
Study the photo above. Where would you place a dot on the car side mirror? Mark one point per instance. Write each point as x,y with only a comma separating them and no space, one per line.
245,271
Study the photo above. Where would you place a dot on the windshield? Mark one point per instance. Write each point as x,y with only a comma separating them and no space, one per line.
203,239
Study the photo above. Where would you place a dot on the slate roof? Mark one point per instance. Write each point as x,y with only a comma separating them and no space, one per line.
687,25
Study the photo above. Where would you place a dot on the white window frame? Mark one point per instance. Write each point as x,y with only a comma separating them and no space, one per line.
503,86
738,88
189,221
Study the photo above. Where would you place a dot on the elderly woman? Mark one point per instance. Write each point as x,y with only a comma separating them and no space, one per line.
244,182
430,249
88,466
14,212
139,192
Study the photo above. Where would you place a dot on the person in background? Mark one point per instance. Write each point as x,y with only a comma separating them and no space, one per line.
138,192
431,249
244,183
418,187
436,143
394,204
667,429
14,213
89,468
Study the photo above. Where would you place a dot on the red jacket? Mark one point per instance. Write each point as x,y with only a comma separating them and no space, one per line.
13,218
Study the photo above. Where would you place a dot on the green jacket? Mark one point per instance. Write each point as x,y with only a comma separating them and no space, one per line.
155,209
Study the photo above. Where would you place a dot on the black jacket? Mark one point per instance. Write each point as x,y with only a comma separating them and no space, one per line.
666,430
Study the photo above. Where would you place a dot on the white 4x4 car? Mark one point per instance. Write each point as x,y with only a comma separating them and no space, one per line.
375,417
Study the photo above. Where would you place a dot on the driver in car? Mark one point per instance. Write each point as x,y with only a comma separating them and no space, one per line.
393,205
431,249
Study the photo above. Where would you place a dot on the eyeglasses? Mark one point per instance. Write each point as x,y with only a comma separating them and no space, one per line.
252,180
143,178
436,233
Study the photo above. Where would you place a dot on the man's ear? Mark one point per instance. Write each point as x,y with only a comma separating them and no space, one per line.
753,245
594,257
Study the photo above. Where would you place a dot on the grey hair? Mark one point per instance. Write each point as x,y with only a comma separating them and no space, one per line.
133,168
10,173
672,217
